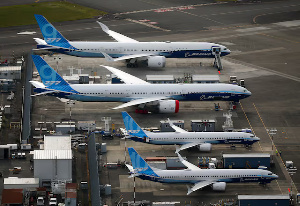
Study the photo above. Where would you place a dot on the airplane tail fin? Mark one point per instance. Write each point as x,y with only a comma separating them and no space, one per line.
50,78
132,127
139,165
51,35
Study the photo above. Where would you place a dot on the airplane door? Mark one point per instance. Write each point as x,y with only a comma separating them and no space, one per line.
127,93
146,139
215,50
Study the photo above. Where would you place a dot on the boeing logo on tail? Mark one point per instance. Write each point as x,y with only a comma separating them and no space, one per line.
50,78
51,35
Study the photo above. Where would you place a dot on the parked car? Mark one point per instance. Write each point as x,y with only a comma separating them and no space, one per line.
53,201
40,201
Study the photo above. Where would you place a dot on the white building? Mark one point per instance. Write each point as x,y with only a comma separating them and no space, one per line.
20,183
54,163
10,72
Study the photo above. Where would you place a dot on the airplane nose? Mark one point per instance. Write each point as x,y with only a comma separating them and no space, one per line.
257,139
275,176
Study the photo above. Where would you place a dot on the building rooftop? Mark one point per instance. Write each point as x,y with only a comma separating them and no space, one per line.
263,197
206,78
10,68
160,77
246,155
17,181
52,154
57,142
12,196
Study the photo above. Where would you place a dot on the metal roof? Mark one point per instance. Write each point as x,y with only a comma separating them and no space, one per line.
10,68
52,154
206,78
57,142
246,155
20,181
263,197
160,77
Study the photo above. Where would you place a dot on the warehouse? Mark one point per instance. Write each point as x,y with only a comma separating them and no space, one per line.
240,161
207,79
10,72
160,79
266,200
20,183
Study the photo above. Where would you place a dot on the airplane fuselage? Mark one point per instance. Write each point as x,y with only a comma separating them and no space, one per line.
128,92
215,175
119,49
172,138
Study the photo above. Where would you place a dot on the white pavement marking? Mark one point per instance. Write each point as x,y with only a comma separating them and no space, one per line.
170,8
148,25
261,28
289,23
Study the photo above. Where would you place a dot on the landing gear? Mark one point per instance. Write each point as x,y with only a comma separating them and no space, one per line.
132,65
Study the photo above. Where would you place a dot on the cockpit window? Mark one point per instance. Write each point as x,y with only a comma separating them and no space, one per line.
269,173
245,90
251,135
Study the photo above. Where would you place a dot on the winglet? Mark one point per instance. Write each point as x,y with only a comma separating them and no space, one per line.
107,57
132,127
103,27
189,190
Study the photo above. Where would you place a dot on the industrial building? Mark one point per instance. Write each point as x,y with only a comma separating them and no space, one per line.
54,163
266,200
21,183
207,79
252,160
165,126
10,72
160,79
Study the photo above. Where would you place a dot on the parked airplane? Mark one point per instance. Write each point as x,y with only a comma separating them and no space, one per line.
161,98
216,178
203,140
154,53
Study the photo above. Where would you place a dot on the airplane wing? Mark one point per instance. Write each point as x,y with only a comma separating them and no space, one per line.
198,186
190,166
177,129
131,56
186,146
115,35
125,77
42,93
139,101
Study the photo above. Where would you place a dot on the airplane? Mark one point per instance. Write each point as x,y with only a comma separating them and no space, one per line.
203,140
160,98
216,178
131,50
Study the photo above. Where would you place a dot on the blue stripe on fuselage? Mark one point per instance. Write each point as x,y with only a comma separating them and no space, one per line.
174,54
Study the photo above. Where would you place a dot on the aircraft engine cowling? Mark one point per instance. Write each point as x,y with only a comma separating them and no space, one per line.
220,186
168,106
205,147
156,61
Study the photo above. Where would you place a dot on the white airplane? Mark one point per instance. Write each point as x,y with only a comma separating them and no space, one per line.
154,53
161,98
203,140
216,178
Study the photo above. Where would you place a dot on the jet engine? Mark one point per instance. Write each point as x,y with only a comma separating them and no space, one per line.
168,106
156,61
204,147
219,186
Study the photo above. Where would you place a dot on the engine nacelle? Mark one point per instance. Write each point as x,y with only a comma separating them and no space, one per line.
219,186
205,147
156,61
168,106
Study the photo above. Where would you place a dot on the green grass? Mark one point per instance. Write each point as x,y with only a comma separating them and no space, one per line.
54,11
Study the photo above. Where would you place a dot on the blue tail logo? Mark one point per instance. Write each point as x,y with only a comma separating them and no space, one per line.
139,164
51,35
50,78
132,127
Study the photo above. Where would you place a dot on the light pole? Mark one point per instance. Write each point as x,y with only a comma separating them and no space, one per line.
272,132
58,58
70,103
